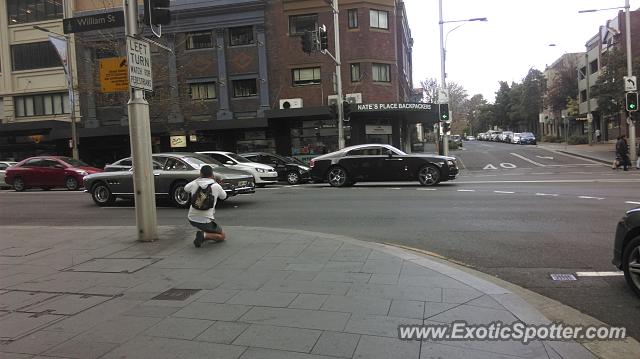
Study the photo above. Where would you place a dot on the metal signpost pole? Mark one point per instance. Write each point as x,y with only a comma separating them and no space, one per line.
72,93
632,126
443,75
336,30
140,137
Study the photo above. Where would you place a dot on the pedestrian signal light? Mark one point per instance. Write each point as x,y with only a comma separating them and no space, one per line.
444,111
324,38
632,101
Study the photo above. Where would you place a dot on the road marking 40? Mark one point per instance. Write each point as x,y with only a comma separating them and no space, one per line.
506,165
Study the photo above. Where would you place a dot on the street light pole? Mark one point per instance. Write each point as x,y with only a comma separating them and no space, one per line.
632,126
443,75
336,31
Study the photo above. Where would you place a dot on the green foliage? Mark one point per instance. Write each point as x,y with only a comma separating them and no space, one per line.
578,140
609,89
564,87
453,145
551,139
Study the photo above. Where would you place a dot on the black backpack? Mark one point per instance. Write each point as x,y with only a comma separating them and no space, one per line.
203,198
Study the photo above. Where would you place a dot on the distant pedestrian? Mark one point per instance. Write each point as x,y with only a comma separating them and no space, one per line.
597,136
622,153
205,192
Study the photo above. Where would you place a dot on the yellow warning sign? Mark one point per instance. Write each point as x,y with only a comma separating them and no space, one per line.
113,74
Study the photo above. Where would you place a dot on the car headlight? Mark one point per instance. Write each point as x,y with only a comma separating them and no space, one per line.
260,170
451,163
303,169
81,172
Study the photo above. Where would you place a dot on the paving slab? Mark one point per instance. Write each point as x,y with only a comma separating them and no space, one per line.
371,347
336,344
282,338
262,298
163,348
360,305
297,318
179,328
223,332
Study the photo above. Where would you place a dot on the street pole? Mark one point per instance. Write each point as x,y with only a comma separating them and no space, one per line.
336,30
72,93
588,74
632,126
140,137
443,75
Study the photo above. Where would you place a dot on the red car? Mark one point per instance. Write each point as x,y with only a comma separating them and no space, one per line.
48,172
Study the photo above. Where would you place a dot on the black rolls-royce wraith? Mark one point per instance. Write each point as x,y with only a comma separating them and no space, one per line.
381,163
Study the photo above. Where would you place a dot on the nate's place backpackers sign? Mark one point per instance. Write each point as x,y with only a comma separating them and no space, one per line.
395,107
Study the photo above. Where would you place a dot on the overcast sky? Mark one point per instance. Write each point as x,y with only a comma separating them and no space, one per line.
515,37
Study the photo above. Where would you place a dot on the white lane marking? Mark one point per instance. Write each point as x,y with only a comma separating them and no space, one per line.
118,207
542,173
505,192
426,189
528,160
508,165
589,197
395,188
632,202
489,167
602,180
466,190
576,165
545,157
547,194
599,274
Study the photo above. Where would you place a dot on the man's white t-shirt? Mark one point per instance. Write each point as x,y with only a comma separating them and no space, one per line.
204,216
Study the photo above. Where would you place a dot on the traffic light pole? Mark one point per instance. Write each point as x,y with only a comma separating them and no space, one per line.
140,138
336,30
632,126
443,79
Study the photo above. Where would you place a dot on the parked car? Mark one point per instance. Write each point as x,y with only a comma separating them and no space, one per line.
626,250
527,138
48,172
3,169
506,136
471,138
378,163
516,138
120,165
457,139
288,170
494,136
171,172
262,174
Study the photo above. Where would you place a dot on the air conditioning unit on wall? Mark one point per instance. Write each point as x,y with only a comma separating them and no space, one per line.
287,103
332,100
353,98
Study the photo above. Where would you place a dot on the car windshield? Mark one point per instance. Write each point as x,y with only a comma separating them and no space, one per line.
238,158
296,161
527,134
73,162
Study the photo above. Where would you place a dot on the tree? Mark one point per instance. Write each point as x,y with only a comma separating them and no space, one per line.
502,105
473,106
609,88
531,98
563,87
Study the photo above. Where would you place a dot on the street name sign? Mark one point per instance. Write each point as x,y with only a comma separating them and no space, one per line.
139,61
113,75
630,83
93,22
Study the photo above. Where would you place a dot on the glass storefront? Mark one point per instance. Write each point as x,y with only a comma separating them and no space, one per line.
255,141
314,137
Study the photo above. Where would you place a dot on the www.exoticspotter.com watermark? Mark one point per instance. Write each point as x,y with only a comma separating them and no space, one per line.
499,331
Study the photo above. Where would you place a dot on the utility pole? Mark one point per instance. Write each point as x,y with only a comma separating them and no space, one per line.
632,126
140,137
443,78
588,74
336,30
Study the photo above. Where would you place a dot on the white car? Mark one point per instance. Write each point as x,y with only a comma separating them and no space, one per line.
263,174
3,169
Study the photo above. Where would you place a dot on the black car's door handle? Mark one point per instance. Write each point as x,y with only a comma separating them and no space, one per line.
393,159
156,174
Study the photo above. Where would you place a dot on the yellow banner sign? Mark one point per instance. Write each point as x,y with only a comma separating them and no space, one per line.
113,75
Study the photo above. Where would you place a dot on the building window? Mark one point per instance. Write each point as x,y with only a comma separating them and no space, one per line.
309,76
199,40
239,36
42,105
582,74
35,55
298,24
593,66
245,88
355,72
379,19
203,91
24,11
583,96
381,72
353,18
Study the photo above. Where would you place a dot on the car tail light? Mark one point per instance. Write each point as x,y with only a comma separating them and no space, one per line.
312,163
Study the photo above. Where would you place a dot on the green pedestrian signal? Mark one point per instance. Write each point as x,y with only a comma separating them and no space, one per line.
632,101
443,109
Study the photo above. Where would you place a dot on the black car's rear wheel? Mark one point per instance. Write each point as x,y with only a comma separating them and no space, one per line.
337,177
631,264
293,177
101,195
71,184
18,184
429,175
179,197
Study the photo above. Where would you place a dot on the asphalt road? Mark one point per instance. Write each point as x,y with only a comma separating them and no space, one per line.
517,212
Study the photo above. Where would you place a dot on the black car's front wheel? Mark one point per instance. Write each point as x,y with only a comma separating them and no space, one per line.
429,175
101,195
179,197
631,264
337,177
293,177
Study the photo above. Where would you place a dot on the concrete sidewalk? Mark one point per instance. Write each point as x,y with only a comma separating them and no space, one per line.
93,292
601,152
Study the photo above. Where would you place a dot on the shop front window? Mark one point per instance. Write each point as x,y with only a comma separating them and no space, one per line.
255,141
314,138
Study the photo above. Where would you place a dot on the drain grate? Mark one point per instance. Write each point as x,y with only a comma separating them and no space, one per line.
176,294
563,277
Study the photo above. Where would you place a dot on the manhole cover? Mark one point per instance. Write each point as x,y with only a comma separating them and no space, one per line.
176,294
563,277
113,265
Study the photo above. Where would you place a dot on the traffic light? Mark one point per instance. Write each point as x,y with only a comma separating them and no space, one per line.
632,101
446,127
156,12
307,42
333,111
324,38
346,109
444,112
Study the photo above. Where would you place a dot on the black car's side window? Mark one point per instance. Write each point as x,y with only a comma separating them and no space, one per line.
173,164
220,158
125,163
368,151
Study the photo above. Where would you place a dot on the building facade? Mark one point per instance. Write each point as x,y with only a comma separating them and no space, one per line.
552,121
35,111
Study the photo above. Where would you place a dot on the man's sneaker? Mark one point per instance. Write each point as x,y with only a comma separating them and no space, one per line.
199,239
